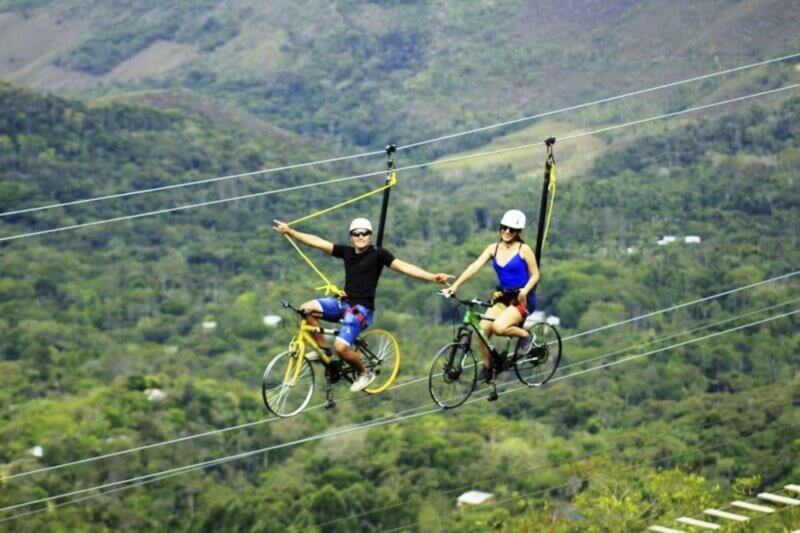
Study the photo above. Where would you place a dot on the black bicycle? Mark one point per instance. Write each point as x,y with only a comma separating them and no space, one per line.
454,370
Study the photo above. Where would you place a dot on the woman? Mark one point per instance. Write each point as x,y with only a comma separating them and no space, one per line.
517,275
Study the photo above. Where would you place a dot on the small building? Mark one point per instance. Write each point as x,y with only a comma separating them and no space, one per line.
474,497
272,321
692,239
209,325
37,451
666,239
155,395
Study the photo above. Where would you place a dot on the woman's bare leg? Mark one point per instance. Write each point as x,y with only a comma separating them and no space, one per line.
506,323
488,329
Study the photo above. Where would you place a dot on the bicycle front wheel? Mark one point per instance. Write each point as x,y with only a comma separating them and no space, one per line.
452,377
285,388
536,368
380,353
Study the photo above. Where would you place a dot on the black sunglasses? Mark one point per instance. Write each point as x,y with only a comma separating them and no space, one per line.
506,228
358,233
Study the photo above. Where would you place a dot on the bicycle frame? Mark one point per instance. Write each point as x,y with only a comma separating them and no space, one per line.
472,318
300,341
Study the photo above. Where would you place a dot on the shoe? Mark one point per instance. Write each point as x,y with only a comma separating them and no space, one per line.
485,375
363,381
525,344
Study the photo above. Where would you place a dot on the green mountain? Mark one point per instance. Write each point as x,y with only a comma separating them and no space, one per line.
369,72
92,319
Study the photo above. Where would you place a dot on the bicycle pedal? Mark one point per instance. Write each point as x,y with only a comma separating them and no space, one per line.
330,404
493,396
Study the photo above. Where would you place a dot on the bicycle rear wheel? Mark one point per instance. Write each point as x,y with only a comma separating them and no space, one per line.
452,377
380,353
283,394
536,368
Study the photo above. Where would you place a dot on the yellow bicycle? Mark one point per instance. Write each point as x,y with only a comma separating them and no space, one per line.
288,382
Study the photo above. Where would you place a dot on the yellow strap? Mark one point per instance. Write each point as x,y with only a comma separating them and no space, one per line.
329,287
390,182
552,193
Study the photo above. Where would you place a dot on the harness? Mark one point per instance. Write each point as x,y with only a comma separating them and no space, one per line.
352,310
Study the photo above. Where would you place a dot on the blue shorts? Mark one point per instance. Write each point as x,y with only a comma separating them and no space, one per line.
334,310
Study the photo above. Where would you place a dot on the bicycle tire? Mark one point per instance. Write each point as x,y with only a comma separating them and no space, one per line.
276,389
380,352
536,369
451,387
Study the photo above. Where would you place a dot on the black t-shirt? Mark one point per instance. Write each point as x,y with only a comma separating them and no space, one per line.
361,272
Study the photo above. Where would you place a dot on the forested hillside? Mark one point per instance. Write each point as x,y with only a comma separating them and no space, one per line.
368,72
92,320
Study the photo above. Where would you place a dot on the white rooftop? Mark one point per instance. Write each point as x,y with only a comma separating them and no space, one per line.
474,497
155,395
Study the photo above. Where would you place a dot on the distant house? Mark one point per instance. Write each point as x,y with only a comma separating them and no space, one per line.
155,395
37,451
666,239
209,325
692,239
553,320
474,497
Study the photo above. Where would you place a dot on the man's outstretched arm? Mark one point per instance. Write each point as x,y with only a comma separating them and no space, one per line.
305,238
416,272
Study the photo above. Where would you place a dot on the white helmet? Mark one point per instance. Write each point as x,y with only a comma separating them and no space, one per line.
513,218
360,223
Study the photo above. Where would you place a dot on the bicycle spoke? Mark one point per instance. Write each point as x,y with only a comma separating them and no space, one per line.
284,393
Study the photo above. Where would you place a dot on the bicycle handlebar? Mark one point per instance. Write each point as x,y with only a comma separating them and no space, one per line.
288,305
471,303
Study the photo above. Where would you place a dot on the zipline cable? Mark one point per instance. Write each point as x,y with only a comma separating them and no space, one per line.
409,167
548,466
629,467
648,315
418,380
561,368
680,306
403,147
173,474
596,102
678,345
367,425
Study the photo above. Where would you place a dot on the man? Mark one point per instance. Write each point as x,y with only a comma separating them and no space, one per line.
363,264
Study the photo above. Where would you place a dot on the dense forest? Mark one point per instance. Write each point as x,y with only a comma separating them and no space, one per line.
93,320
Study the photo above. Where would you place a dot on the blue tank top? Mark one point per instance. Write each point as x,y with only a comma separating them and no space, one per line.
514,274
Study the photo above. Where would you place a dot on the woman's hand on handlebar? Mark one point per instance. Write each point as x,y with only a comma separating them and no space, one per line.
448,292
